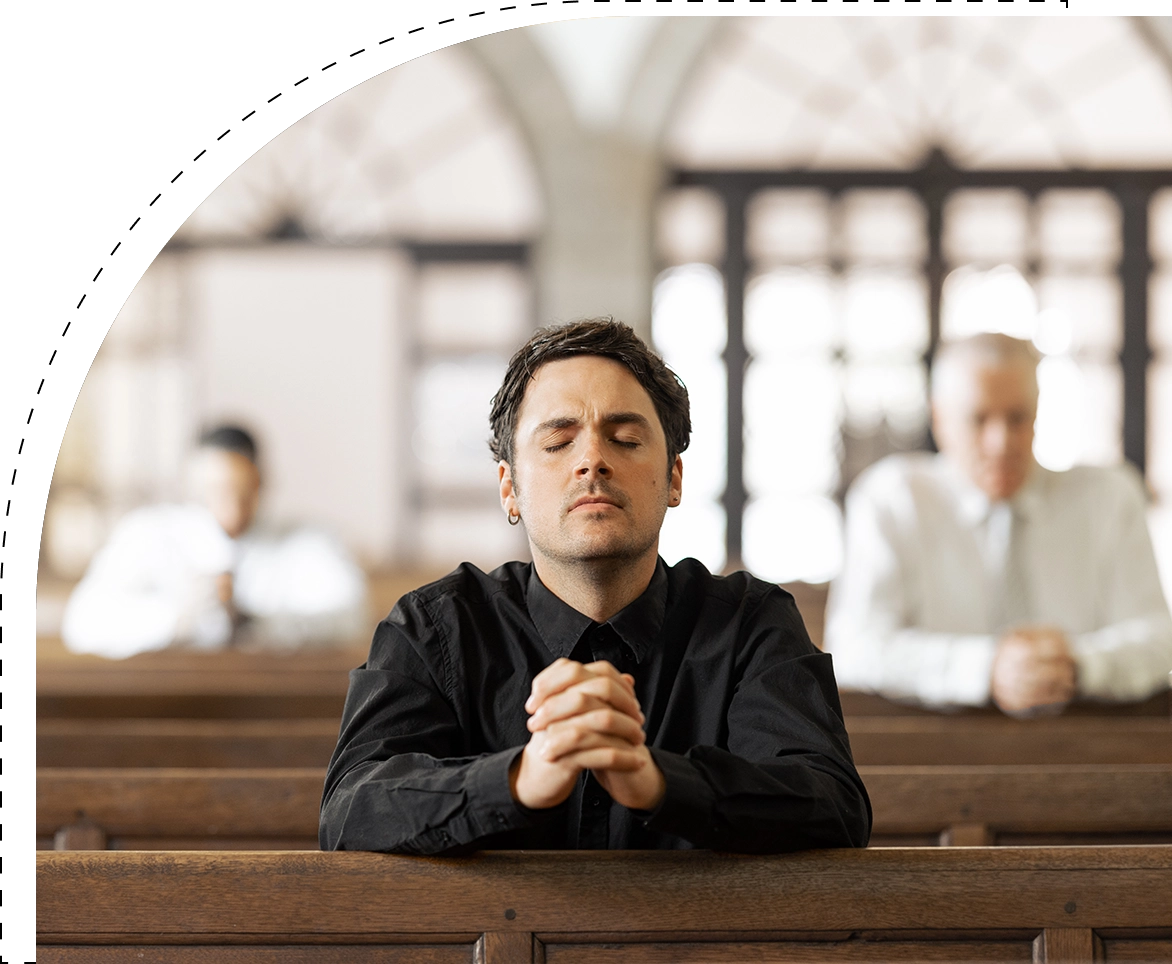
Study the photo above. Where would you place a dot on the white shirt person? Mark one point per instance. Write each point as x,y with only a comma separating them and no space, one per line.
976,574
203,575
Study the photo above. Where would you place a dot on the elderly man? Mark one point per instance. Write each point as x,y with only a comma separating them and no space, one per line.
976,574
201,574
596,697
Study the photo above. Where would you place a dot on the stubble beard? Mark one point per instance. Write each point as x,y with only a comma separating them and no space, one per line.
581,551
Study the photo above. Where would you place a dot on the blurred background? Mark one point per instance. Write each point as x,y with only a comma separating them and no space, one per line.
796,211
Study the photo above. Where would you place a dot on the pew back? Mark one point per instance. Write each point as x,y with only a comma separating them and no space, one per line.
1046,905
165,808
879,740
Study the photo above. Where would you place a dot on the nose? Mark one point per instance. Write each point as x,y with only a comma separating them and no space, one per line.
996,437
593,462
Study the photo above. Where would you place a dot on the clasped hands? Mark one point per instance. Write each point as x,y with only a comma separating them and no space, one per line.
1033,671
585,717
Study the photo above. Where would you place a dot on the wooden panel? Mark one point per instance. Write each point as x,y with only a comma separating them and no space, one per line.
312,683
792,952
283,954
1052,798
168,803
251,895
1067,945
186,743
973,740
278,802
1136,951
177,683
505,947
939,740
855,703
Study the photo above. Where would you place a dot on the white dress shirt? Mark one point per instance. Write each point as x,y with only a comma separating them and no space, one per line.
154,584
934,573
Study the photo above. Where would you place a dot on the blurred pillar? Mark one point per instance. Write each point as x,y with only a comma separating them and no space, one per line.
600,184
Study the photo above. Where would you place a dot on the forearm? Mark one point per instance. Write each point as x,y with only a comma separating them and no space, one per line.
1128,660
413,803
934,668
717,800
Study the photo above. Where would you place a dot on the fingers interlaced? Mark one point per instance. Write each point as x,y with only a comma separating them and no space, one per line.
564,743
565,673
598,693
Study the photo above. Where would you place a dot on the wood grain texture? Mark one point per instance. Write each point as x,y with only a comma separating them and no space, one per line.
1067,945
504,947
1052,798
793,952
313,683
280,802
967,835
254,897
875,741
164,802
276,954
186,743
857,704
980,740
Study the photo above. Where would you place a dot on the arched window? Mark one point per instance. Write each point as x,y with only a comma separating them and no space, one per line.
848,191
352,292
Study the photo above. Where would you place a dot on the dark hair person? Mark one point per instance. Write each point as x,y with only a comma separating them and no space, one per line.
594,697
593,336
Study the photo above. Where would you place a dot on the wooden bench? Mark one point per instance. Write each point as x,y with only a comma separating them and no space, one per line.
886,740
1069,905
312,684
180,684
162,808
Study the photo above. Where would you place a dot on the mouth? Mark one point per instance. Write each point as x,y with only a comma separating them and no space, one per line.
594,501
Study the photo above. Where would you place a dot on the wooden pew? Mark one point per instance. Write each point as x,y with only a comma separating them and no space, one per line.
996,740
181,684
275,808
886,740
185,743
1069,905
312,684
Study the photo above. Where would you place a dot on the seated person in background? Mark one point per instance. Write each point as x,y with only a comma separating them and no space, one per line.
595,698
201,575
977,574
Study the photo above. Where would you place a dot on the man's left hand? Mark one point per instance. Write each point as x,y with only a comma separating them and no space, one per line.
569,695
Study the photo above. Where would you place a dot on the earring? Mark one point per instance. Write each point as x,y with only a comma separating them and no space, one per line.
514,517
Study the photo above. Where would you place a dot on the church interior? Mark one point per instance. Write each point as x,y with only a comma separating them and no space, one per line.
795,213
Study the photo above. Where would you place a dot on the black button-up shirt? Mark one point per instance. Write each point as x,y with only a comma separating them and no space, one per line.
742,717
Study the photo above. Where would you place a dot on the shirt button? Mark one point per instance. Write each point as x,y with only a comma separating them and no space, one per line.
596,802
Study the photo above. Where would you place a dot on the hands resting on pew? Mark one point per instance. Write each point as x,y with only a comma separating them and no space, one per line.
1033,671
585,717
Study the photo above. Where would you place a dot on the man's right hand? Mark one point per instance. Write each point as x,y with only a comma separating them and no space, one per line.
1033,671
583,716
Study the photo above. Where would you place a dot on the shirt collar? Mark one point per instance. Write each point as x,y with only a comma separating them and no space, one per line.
561,626
974,506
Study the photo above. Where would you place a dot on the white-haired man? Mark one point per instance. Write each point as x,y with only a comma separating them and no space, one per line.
976,574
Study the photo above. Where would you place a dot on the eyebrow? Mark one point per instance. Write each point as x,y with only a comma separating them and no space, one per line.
611,418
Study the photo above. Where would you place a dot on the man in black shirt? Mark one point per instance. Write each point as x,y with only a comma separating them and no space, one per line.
595,698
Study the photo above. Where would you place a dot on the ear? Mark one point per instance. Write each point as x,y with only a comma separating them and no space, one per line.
676,483
508,491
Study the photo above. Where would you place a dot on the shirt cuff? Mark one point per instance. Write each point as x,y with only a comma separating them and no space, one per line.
688,800
488,783
968,671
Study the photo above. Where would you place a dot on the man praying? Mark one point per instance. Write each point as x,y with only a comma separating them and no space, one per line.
595,697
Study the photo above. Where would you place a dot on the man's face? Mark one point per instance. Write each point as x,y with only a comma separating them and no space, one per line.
590,473
985,423
229,485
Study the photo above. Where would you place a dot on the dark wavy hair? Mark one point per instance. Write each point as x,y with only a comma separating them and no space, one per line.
230,438
591,336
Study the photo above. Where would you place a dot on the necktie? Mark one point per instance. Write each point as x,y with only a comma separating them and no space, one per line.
1008,569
